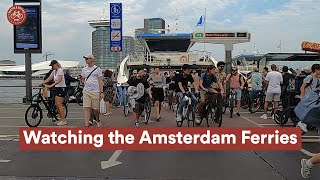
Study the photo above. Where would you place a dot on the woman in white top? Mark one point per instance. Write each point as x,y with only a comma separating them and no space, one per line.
60,85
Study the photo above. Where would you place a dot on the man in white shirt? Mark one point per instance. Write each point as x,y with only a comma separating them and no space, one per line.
93,89
273,82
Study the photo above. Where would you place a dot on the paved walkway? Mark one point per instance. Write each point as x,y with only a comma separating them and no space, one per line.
149,164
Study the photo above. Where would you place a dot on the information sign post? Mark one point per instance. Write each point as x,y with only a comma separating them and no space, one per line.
25,16
115,27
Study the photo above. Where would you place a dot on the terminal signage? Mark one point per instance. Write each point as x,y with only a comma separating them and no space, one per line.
28,35
115,27
310,46
220,35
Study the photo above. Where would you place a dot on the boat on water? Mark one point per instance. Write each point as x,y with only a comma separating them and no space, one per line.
166,51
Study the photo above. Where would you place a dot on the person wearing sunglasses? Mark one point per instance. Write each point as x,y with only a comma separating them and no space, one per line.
221,74
92,90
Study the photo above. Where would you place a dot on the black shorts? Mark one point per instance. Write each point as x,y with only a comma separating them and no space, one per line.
60,91
158,94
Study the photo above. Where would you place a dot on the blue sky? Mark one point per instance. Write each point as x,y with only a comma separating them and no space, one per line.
67,33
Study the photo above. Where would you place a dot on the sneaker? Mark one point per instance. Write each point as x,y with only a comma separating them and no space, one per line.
136,124
238,114
62,123
305,170
90,122
264,116
303,126
197,119
98,123
179,118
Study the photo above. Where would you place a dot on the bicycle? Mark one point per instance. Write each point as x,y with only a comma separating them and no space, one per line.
36,110
187,111
209,112
147,110
231,101
79,94
170,99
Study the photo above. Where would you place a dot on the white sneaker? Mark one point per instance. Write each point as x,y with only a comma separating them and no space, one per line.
179,118
264,116
98,123
62,123
303,126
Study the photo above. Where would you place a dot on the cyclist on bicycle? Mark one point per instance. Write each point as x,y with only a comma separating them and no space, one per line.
182,89
139,103
236,85
212,91
59,83
221,74
171,84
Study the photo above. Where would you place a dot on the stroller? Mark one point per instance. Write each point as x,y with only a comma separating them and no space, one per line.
308,110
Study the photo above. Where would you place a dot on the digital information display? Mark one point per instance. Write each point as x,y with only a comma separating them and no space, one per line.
28,36
220,35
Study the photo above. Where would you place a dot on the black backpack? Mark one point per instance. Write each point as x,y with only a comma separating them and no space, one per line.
291,84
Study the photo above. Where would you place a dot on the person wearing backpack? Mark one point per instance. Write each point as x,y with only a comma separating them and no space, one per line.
92,90
287,88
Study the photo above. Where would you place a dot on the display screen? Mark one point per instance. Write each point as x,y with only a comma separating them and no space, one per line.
27,37
220,35
241,34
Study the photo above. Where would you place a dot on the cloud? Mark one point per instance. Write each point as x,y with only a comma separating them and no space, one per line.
66,31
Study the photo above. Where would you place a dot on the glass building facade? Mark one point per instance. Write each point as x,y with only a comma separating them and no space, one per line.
104,58
152,24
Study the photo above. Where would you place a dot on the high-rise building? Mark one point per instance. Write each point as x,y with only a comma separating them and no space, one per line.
101,43
137,44
104,58
154,26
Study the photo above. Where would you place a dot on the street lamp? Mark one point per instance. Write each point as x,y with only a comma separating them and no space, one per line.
47,54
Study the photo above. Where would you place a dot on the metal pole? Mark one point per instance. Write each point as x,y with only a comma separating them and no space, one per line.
28,77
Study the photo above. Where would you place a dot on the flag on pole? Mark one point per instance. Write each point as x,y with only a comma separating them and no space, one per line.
201,21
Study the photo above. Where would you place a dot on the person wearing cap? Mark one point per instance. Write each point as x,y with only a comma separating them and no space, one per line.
92,90
182,89
273,83
57,76
236,85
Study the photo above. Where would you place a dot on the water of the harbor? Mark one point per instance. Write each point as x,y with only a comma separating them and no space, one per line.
14,90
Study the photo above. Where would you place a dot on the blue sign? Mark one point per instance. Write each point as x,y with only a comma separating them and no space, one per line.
115,27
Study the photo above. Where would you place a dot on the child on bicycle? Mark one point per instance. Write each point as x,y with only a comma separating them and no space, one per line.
212,91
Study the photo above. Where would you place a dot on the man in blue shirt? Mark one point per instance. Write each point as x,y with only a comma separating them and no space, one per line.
212,91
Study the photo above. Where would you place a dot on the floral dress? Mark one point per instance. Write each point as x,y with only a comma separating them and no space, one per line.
108,89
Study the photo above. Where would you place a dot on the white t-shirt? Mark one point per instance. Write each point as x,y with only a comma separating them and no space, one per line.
275,79
56,77
91,84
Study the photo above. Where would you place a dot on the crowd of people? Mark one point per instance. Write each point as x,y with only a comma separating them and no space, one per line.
201,85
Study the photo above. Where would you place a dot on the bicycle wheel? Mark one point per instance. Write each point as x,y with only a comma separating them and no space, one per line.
79,98
31,119
255,104
226,103
56,113
191,117
232,103
277,117
147,112
208,117
288,114
245,101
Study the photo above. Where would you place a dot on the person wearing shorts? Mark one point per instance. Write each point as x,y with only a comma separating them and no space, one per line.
236,85
57,75
92,90
273,82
